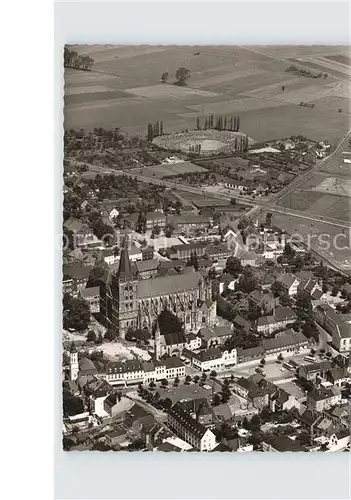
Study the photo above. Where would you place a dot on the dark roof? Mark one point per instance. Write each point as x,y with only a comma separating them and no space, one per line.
90,292
192,426
208,354
75,270
189,246
286,339
171,363
283,443
125,268
146,265
129,365
167,447
166,285
284,314
222,447
287,279
175,338
240,321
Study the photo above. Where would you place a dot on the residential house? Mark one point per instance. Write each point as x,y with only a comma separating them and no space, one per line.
117,437
281,317
255,389
242,324
190,430
310,286
323,398
147,268
282,400
92,296
281,444
289,283
154,219
110,256
74,277
215,336
338,376
148,252
314,370
79,233
249,259
199,409
117,406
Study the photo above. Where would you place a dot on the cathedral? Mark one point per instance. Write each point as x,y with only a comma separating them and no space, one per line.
132,303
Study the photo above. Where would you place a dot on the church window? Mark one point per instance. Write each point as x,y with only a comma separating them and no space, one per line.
204,319
187,318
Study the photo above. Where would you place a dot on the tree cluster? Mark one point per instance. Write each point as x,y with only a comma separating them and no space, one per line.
76,313
72,60
154,130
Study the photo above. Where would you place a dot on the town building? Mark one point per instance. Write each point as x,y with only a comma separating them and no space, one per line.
215,336
323,398
187,250
213,358
190,430
92,296
79,234
334,324
131,372
281,317
281,444
289,283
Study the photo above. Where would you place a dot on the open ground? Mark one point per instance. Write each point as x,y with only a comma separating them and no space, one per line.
124,89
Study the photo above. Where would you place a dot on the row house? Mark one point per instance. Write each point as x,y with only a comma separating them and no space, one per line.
133,372
323,398
212,359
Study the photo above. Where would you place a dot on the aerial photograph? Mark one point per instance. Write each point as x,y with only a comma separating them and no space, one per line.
206,248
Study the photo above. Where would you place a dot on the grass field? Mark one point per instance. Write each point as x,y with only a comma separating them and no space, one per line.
161,171
124,89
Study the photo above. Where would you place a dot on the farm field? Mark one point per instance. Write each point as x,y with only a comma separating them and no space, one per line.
162,171
124,90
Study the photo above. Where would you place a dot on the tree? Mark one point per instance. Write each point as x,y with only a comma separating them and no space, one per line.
280,357
233,266
150,134
152,384
335,290
263,362
198,123
203,377
169,323
110,334
187,379
216,400
99,339
91,337
213,373
72,405
196,379
76,313
164,382
182,76
164,77
176,382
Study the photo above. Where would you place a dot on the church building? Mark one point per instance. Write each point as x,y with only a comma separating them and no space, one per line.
129,302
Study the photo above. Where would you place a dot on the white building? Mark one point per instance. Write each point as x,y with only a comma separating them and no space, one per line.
190,430
212,359
133,372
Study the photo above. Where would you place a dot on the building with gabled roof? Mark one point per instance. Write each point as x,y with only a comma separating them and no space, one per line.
190,430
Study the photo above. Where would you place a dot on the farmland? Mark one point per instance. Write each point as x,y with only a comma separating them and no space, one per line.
124,89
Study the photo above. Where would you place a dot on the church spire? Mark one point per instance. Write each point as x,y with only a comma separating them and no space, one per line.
125,268
157,341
